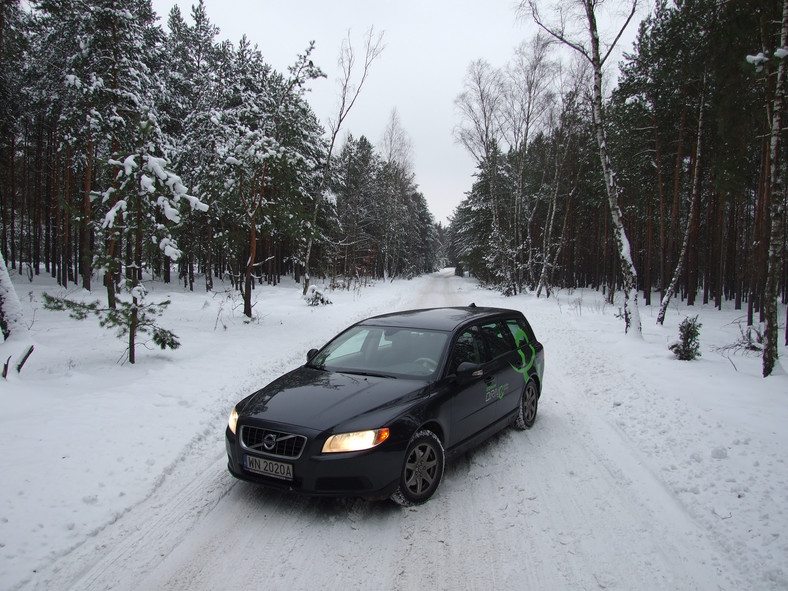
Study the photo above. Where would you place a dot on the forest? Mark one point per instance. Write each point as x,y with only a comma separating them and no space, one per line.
130,149
692,133
127,151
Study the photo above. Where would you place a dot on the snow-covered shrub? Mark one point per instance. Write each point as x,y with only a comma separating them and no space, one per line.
687,348
316,298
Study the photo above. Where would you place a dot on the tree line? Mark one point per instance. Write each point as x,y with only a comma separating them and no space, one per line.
128,150
690,140
131,151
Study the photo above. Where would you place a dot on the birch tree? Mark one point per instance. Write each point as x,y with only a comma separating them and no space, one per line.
591,50
777,203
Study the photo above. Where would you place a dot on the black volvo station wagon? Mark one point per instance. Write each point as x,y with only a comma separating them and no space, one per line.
377,410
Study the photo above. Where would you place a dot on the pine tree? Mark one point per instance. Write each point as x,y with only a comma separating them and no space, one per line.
256,140
14,50
357,185
191,91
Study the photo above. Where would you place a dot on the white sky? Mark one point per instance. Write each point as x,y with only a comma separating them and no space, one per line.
429,45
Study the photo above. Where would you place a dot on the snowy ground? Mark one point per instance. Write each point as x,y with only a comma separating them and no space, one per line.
642,472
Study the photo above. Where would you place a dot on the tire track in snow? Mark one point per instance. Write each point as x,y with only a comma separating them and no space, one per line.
590,406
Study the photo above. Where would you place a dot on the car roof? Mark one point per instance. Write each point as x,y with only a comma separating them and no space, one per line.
447,319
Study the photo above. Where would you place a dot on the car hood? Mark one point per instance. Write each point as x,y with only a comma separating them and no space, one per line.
322,400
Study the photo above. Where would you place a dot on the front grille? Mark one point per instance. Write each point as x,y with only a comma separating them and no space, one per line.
272,443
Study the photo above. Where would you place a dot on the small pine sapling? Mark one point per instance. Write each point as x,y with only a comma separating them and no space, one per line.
687,348
128,319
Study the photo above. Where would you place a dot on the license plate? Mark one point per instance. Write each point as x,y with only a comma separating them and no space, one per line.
268,467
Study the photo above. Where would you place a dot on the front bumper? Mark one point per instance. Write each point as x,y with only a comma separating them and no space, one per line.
372,473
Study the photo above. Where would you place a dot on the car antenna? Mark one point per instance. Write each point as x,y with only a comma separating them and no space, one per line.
472,305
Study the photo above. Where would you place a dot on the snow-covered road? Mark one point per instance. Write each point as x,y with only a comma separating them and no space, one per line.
577,502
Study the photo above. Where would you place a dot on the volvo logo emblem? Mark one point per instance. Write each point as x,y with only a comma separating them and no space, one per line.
269,441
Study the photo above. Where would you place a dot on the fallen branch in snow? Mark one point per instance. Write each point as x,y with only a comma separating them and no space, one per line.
22,360
749,343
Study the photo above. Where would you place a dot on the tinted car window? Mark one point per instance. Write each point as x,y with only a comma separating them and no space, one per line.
498,339
521,330
467,348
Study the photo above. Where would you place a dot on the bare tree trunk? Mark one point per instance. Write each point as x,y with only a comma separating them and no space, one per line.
675,226
208,254
691,262
12,191
133,322
663,271
86,256
253,207
648,280
692,214
65,235
777,213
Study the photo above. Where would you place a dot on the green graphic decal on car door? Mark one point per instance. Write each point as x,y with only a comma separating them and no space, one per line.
520,337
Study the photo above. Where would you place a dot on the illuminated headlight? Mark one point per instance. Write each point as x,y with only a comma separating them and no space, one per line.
233,420
358,441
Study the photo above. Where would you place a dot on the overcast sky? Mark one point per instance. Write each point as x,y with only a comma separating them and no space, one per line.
428,47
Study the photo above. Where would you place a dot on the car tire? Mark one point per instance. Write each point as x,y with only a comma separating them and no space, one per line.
529,404
422,469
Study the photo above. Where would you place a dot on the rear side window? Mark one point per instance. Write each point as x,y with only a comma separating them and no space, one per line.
498,338
520,330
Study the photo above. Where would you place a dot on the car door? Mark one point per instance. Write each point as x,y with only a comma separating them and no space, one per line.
473,400
530,358
503,368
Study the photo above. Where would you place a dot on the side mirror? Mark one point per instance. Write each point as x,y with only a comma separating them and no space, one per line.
310,354
468,371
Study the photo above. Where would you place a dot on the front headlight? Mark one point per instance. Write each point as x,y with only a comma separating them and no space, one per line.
233,421
357,441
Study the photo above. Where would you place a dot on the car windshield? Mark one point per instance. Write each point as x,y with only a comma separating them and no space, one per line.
384,351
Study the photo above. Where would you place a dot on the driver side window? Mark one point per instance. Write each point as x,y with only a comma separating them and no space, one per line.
468,347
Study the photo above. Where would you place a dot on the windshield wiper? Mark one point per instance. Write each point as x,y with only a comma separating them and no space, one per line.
358,372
